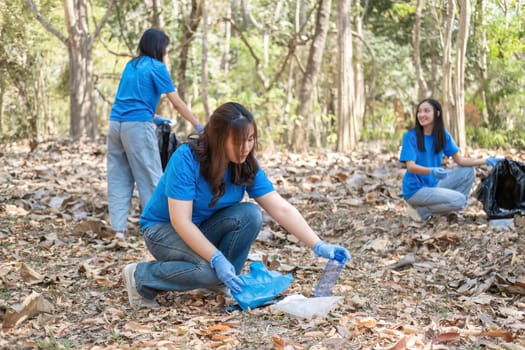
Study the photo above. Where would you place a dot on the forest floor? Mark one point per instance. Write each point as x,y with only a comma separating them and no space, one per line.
442,284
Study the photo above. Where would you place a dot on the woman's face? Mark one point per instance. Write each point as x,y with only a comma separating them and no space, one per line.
237,153
425,115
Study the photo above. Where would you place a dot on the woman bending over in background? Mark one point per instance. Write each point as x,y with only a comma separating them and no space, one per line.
133,153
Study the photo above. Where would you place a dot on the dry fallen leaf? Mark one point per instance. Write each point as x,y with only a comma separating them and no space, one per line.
32,306
446,337
29,275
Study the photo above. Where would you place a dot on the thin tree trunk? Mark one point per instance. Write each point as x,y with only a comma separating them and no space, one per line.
187,37
346,120
359,81
157,20
458,123
416,39
448,95
483,66
309,81
204,61
225,57
2,94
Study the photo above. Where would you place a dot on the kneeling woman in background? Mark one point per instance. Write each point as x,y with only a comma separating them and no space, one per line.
428,188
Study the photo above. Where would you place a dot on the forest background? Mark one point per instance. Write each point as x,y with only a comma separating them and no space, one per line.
316,74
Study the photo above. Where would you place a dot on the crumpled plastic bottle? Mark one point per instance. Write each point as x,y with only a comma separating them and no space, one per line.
328,278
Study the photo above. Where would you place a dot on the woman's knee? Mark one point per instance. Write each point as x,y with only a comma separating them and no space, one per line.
458,203
467,173
251,214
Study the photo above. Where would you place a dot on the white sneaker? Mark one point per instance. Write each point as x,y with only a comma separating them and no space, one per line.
120,235
414,215
136,300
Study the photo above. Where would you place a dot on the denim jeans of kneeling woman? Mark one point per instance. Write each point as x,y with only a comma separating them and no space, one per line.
450,194
177,267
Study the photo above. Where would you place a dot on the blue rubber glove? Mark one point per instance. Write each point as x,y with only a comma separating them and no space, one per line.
159,121
199,128
226,272
493,161
331,251
438,173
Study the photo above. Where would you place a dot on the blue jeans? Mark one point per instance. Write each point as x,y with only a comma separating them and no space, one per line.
177,267
132,157
450,194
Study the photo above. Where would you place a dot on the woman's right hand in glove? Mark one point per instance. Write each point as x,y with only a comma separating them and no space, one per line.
226,272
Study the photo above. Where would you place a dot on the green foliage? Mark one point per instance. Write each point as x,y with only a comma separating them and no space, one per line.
506,70
35,56
382,129
51,343
496,139
391,19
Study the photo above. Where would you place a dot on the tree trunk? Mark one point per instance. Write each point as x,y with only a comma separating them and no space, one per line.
416,38
448,95
346,119
82,102
457,124
309,81
359,80
83,119
225,57
157,20
483,66
204,61
2,93
188,34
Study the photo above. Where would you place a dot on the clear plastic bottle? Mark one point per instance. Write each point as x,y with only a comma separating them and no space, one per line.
328,278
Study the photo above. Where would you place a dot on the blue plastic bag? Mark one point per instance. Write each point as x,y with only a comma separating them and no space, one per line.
261,286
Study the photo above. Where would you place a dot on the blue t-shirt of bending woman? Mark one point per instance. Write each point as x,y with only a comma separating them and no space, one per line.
182,180
143,81
428,158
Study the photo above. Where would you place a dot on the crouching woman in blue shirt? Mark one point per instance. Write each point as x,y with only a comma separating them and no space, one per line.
428,188
197,225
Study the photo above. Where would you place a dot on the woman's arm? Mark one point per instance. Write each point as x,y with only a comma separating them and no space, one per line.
181,107
462,161
288,217
417,169
180,217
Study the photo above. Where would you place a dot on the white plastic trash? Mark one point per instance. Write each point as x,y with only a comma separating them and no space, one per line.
504,224
301,306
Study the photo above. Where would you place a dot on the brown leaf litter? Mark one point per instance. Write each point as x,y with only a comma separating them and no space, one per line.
435,285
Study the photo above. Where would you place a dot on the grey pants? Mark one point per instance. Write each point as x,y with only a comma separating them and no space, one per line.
450,194
132,158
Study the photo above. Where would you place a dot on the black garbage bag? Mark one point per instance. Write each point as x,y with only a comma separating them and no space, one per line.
168,142
502,192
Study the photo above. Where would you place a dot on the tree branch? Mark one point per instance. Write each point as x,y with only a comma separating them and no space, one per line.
260,73
103,20
46,24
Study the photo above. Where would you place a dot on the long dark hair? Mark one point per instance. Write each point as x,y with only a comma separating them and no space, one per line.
153,43
438,130
233,119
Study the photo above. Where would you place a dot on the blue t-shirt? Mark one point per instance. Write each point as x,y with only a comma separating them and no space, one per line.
143,81
182,180
409,151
